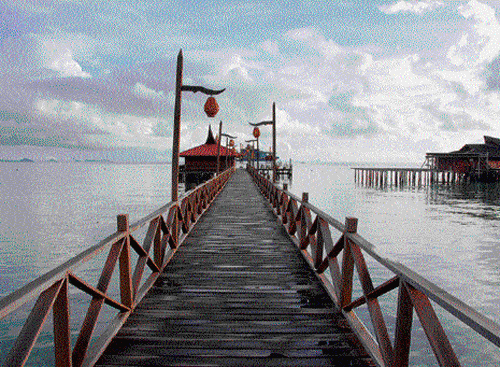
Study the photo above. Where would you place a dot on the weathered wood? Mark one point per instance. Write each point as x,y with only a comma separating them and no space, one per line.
119,245
435,334
377,292
62,334
237,292
126,288
374,309
404,323
31,329
177,127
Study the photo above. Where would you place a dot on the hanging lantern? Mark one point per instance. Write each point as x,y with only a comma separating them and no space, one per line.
231,143
256,132
211,107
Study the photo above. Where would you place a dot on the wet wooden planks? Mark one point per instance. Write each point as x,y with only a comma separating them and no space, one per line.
237,293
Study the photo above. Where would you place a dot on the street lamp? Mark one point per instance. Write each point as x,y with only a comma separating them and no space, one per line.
272,122
210,107
227,136
253,147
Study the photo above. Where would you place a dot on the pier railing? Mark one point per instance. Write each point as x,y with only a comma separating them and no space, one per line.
164,230
311,230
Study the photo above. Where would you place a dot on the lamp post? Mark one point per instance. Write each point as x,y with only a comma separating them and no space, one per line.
272,122
253,147
218,148
227,136
179,88
256,134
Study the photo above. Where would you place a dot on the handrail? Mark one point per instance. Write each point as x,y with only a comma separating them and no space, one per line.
414,291
167,229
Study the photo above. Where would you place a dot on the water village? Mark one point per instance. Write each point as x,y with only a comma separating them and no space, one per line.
471,163
238,271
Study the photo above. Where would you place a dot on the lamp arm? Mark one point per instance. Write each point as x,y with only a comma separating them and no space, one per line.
261,123
196,88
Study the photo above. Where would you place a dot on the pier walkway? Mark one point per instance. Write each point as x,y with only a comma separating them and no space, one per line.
230,276
238,292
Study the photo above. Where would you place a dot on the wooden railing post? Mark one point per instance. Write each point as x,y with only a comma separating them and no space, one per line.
351,226
125,267
404,322
62,336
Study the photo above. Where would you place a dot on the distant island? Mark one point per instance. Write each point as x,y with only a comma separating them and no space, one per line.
72,160
24,160
94,160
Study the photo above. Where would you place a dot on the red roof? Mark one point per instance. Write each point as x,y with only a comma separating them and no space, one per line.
209,149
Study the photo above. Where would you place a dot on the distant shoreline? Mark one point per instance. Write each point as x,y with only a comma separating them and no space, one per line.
102,161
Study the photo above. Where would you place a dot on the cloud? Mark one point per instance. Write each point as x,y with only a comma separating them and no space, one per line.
313,38
107,79
416,7
482,43
455,121
492,73
62,62
33,57
147,93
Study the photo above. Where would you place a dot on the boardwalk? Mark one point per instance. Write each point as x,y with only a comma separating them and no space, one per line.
237,293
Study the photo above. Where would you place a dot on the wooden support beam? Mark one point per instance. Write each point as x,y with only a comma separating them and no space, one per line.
62,332
126,289
433,329
33,326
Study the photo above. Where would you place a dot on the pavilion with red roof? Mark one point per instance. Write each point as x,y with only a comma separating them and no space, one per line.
201,161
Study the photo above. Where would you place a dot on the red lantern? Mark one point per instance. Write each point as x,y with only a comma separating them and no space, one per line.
211,107
256,132
231,143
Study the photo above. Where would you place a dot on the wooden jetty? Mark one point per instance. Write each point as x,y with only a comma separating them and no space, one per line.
399,177
472,163
281,172
237,293
227,276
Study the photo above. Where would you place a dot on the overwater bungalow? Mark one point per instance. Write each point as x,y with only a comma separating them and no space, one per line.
201,161
477,161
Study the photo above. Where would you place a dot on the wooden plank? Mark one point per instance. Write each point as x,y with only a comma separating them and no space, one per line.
237,292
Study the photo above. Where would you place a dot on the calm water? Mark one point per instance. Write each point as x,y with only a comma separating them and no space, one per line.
450,234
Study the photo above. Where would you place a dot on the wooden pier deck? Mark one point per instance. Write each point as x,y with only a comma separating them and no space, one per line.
237,293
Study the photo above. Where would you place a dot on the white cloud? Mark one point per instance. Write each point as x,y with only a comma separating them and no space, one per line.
33,56
291,126
147,93
330,97
63,63
58,54
93,125
271,47
417,7
314,39
482,43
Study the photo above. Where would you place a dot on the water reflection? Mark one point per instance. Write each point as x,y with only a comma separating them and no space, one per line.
449,233
53,211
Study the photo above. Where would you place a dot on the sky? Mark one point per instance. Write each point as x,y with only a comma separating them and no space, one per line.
353,81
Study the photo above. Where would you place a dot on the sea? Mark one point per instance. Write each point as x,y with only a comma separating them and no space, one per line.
449,234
